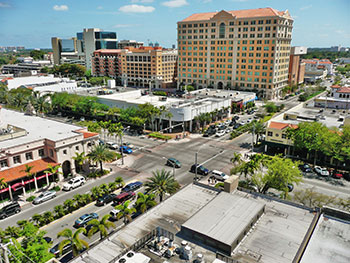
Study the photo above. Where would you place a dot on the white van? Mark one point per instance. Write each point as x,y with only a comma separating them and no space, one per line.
220,176
74,183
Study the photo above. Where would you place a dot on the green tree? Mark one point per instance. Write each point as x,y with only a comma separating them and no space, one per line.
160,183
80,158
28,170
119,181
144,202
100,226
236,159
125,212
257,128
69,205
96,192
13,231
100,154
74,239
37,219
270,107
59,211
3,185
37,54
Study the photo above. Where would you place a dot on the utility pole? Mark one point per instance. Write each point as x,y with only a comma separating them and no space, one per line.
195,169
253,134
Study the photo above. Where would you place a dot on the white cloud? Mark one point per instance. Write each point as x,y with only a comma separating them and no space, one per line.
305,7
142,1
60,8
122,25
4,5
99,7
136,9
175,3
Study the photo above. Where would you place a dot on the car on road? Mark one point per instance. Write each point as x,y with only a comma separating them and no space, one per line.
74,183
220,176
305,168
209,132
45,196
321,171
112,145
125,149
105,199
172,162
132,186
220,133
337,175
67,248
131,146
200,169
121,198
11,209
84,219
114,214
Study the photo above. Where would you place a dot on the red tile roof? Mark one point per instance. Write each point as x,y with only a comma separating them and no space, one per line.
281,125
17,172
259,12
343,90
335,86
87,134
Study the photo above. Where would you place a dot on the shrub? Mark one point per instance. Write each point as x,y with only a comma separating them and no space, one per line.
56,188
159,136
219,185
30,198
159,93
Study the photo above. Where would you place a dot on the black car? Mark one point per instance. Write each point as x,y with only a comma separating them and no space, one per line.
209,132
9,210
172,162
236,118
132,187
305,168
237,125
232,123
67,248
200,169
105,199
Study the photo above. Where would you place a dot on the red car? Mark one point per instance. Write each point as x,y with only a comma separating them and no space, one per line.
121,198
337,175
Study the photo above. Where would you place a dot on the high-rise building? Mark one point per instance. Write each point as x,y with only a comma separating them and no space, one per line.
296,69
141,67
243,49
94,39
65,51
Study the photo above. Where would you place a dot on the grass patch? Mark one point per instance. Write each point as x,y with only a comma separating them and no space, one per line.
158,135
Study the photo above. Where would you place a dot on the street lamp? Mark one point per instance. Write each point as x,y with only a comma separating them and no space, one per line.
173,164
121,142
183,123
196,162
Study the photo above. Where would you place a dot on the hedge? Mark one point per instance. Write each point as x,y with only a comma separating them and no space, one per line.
158,135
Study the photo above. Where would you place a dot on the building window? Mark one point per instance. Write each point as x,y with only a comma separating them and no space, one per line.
3,163
269,133
41,152
51,152
64,152
77,148
222,30
29,156
17,159
284,136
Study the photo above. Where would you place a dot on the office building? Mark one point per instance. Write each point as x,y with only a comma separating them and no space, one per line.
66,51
129,43
296,67
38,142
140,67
243,49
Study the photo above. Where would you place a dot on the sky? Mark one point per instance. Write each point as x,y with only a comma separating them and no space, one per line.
32,23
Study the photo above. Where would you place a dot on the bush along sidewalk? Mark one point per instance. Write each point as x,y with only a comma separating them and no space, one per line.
78,201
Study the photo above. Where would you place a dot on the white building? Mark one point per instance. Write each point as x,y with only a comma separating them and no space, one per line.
339,98
43,83
38,142
317,64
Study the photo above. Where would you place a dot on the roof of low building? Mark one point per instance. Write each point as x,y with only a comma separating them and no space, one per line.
343,90
246,13
281,125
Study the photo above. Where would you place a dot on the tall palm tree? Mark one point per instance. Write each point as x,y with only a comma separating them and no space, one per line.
28,170
160,183
80,158
100,154
100,225
125,211
236,159
73,239
53,169
144,202
257,128
3,185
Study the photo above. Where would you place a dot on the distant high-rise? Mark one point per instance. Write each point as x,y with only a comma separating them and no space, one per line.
243,49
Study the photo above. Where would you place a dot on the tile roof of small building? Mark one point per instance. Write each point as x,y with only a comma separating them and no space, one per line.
247,13
281,125
343,90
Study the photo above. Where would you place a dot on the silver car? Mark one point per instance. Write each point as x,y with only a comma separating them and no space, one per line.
44,197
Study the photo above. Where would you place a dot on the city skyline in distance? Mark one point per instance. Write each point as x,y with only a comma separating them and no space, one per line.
33,23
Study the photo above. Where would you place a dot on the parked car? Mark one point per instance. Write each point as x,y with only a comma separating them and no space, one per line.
209,132
237,125
321,171
220,176
290,187
84,219
200,169
346,176
106,199
337,175
132,186
113,214
74,183
112,145
125,149
236,118
232,123
131,146
67,248
8,210
220,133
228,130
305,168
45,196
121,198
172,162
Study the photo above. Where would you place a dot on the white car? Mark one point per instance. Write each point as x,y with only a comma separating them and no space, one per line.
321,171
220,133
74,183
45,196
220,176
112,145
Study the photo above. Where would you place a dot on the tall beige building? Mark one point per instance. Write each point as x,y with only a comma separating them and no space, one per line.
243,49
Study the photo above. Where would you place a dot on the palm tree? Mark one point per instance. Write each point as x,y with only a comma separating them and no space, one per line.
100,154
59,211
125,212
3,185
37,219
101,226
69,205
119,181
79,158
52,170
28,170
73,239
257,128
144,202
161,183
96,192
236,159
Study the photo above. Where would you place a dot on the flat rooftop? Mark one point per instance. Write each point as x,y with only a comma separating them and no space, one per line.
37,128
330,242
225,217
